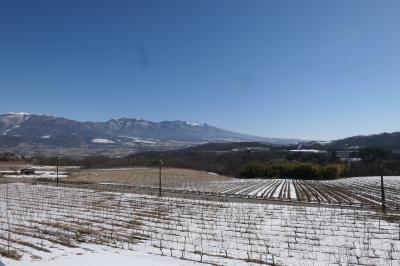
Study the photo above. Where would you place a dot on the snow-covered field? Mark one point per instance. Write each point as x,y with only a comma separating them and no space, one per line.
40,172
103,141
65,226
100,256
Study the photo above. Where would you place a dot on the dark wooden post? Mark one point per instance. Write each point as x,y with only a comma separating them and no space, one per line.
58,160
58,163
383,194
159,175
383,203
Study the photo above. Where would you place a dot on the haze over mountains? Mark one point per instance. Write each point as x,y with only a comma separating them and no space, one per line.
30,134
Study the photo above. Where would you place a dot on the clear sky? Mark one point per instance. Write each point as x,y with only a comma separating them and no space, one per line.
278,68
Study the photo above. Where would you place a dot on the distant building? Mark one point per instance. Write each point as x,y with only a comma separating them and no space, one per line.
344,154
28,171
348,156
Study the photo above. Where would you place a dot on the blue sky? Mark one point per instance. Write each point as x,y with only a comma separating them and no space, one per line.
301,69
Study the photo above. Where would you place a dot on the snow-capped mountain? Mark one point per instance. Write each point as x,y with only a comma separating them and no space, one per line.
12,120
46,132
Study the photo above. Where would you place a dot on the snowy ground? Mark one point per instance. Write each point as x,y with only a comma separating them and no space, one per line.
100,256
40,172
69,226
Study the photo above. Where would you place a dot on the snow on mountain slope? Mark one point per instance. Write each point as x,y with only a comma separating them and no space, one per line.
11,121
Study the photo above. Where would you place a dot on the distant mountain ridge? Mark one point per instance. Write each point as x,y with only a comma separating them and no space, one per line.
43,134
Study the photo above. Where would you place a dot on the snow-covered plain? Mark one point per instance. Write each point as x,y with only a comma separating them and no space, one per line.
140,140
53,225
102,141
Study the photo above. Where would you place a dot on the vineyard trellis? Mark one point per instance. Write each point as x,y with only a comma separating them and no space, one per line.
354,192
43,218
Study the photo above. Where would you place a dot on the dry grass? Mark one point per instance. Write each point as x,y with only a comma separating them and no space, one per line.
12,254
11,166
12,163
145,176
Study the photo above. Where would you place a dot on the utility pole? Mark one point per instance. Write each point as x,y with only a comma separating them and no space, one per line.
159,175
383,195
58,162
382,191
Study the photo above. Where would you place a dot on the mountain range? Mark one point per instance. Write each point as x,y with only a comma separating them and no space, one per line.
35,134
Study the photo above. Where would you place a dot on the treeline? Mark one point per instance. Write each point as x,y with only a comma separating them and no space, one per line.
9,156
375,161
294,170
217,158
224,163
222,160
388,141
